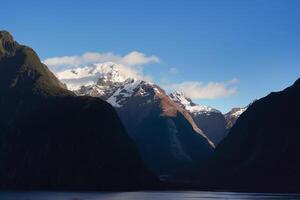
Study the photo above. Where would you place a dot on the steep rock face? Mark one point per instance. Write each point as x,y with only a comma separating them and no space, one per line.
208,119
167,136
261,152
51,139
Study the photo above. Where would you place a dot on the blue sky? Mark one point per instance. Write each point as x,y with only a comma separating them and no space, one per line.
255,42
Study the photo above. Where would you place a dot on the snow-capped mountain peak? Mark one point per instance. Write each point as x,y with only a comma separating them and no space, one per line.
236,112
133,87
109,72
105,80
233,115
189,105
178,96
125,90
90,75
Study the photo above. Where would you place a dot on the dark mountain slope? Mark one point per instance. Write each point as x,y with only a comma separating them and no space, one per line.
261,152
213,125
211,121
51,139
169,140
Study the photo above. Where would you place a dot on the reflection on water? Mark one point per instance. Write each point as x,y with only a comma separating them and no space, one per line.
170,195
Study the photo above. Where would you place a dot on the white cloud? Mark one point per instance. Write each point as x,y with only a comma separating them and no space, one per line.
133,72
137,58
132,59
199,90
131,65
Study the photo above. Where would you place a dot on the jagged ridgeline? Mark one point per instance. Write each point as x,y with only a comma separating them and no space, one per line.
50,138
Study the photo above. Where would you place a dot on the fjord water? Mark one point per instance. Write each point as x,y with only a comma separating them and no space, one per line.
166,195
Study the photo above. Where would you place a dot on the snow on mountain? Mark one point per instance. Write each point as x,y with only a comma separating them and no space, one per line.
208,119
89,75
133,87
106,81
233,115
125,90
238,112
187,104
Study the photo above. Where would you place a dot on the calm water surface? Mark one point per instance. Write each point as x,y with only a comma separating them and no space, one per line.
170,195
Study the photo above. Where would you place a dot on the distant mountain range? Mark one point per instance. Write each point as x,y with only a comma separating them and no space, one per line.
104,80
174,134
52,139
169,140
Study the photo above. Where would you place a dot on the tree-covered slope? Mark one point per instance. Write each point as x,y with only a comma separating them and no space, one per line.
51,139
261,151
